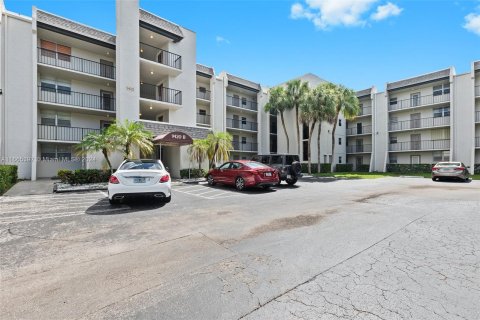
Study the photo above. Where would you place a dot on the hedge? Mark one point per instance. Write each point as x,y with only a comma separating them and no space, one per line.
194,173
362,168
409,168
8,177
83,176
344,167
324,167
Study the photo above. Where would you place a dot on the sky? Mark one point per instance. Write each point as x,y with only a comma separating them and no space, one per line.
358,43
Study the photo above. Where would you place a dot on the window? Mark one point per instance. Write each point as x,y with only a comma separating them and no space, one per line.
48,87
236,100
441,112
202,112
339,141
415,159
305,132
244,140
392,158
160,118
244,101
393,101
441,156
340,159
359,161
64,89
202,89
235,165
51,49
53,151
105,124
441,89
51,86
48,118
415,99
305,150
277,160
64,152
225,166
393,139
64,52
339,122
63,119
273,143
244,120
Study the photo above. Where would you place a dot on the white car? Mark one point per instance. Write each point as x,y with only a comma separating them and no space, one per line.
140,178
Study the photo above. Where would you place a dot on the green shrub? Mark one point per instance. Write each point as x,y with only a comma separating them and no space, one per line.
344,167
409,168
8,177
362,168
83,176
194,173
324,167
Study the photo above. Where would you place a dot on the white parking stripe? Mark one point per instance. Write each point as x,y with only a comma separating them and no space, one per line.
204,191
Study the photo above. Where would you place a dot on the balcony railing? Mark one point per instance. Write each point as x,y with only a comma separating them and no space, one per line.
443,144
365,111
203,94
76,99
248,146
160,56
419,123
418,102
66,61
477,116
153,92
359,148
477,91
242,124
203,119
359,130
242,103
46,132
477,142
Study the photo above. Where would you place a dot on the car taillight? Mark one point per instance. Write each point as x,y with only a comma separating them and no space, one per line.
113,180
164,178
434,169
460,169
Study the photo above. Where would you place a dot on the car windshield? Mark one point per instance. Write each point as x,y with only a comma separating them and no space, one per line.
255,165
448,164
140,165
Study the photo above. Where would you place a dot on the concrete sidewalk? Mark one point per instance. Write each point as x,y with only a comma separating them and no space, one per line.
28,187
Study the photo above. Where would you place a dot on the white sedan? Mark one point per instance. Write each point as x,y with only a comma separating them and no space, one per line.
140,178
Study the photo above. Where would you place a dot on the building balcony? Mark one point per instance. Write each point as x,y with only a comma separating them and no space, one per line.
203,119
419,102
242,103
245,147
64,61
477,142
203,94
477,91
362,148
477,116
75,99
359,130
423,145
366,111
65,134
242,125
161,56
159,93
416,124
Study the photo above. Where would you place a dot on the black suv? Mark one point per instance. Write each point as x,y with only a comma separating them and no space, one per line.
288,166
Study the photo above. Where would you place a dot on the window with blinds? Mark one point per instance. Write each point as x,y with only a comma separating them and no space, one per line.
52,50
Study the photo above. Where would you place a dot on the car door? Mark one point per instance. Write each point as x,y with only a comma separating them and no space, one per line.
233,172
222,172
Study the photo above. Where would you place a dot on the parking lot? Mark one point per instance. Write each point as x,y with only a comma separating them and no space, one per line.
391,248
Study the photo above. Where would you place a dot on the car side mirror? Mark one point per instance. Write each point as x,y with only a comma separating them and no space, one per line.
468,167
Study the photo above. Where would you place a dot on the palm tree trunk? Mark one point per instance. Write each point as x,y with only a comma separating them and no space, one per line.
200,163
312,127
105,154
298,128
333,140
127,151
285,130
318,147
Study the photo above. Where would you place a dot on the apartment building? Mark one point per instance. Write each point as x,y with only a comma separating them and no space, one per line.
61,80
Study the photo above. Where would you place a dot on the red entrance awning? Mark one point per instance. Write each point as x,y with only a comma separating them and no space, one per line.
174,139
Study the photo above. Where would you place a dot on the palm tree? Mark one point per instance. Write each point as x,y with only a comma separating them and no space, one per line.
322,100
278,103
132,134
219,146
346,103
98,142
308,116
198,151
296,93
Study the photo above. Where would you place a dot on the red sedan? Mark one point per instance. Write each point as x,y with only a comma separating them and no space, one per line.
243,174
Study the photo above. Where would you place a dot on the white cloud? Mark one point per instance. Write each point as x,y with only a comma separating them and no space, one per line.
386,11
472,23
326,14
221,39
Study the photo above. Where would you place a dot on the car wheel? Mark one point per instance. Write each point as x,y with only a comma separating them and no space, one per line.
291,182
266,187
240,184
434,179
210,180
279,182
167,199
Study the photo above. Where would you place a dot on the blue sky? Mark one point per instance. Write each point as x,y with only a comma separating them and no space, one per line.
359,43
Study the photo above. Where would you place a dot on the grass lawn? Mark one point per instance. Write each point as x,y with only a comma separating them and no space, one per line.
375,175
